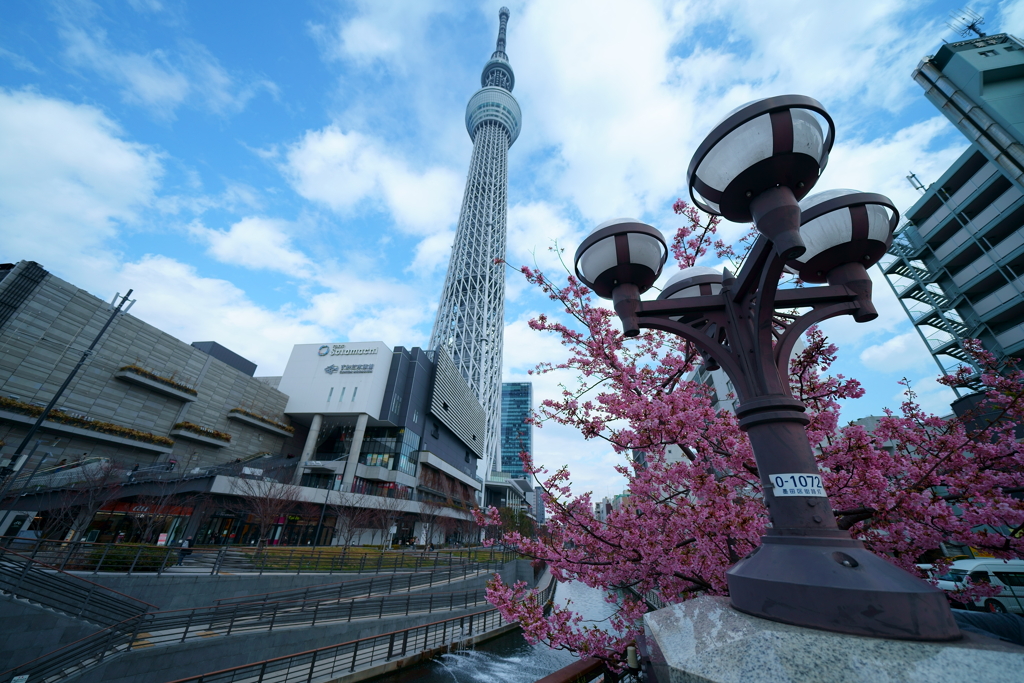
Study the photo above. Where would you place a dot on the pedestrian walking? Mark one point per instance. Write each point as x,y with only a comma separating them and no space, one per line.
185,550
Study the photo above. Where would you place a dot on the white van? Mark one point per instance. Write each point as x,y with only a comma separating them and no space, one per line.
1008,575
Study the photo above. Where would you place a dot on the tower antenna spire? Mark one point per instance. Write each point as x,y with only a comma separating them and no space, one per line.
965,22
499,49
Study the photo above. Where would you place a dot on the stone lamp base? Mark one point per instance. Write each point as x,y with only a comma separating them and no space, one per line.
706,641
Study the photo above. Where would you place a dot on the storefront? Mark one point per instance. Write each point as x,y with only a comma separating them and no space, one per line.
226,527
138,522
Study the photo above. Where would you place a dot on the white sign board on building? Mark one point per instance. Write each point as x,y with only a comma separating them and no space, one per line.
333,379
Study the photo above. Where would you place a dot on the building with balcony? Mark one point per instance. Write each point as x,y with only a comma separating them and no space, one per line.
957,263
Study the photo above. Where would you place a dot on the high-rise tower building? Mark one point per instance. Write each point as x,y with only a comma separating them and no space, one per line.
516,434
957,264
470,320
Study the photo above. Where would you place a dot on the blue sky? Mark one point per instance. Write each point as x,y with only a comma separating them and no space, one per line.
266,174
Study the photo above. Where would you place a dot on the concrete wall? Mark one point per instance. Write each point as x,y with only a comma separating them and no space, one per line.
42,341
31,631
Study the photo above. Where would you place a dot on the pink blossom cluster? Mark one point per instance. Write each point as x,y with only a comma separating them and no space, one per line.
914,482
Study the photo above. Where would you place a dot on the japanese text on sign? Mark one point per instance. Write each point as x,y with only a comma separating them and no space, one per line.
798,485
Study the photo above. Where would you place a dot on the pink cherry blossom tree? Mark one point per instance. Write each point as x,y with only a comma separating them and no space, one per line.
913,482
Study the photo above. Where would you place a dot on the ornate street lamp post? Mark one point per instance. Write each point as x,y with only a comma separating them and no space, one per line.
758,164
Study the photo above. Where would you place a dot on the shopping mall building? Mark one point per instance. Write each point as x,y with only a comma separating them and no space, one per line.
156,440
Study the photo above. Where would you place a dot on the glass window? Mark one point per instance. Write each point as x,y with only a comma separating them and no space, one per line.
355,390
384,489
955,575
979,577
1011,578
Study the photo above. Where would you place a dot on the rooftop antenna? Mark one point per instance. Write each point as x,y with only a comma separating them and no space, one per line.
917,184
965,22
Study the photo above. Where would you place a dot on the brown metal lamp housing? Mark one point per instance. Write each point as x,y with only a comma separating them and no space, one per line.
807,571
759,162
620,260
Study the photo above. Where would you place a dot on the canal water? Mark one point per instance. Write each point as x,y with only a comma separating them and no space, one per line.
509,659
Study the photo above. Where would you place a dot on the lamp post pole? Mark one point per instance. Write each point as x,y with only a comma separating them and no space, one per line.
807,571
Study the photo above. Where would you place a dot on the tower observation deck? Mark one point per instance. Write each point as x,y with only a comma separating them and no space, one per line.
470,321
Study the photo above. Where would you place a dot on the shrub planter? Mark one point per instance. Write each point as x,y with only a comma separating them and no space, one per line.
264,424
160,385
193,432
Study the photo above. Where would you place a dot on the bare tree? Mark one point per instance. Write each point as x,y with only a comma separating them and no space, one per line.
61,515
97,484
431,517
386,513
267,500
350,519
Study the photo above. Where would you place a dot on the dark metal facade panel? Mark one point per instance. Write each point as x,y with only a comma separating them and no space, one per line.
17,286
455,405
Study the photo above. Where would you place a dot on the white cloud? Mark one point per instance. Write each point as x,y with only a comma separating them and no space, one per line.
19,62
176,298
1011,15
161,80
68,179
254,242
905,350
345,170
392,33
882,164
432,252
535,229
931,396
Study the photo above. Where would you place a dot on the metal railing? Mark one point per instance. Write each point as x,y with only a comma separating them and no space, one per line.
45,585
373,586
77,656
583,671
83,556
179,626
336,660
237,616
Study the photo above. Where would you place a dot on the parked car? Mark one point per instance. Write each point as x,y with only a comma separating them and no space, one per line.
1007,575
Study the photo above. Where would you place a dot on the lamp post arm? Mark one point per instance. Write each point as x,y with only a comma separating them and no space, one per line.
762,321
750,272
699,338
784,346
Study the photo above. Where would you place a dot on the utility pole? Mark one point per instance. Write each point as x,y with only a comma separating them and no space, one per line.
85,356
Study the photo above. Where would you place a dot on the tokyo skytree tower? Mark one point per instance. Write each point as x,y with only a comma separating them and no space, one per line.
470,320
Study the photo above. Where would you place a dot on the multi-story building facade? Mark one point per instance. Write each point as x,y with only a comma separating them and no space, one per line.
176,430
470,323
516,432
142,396
957,263
396,423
